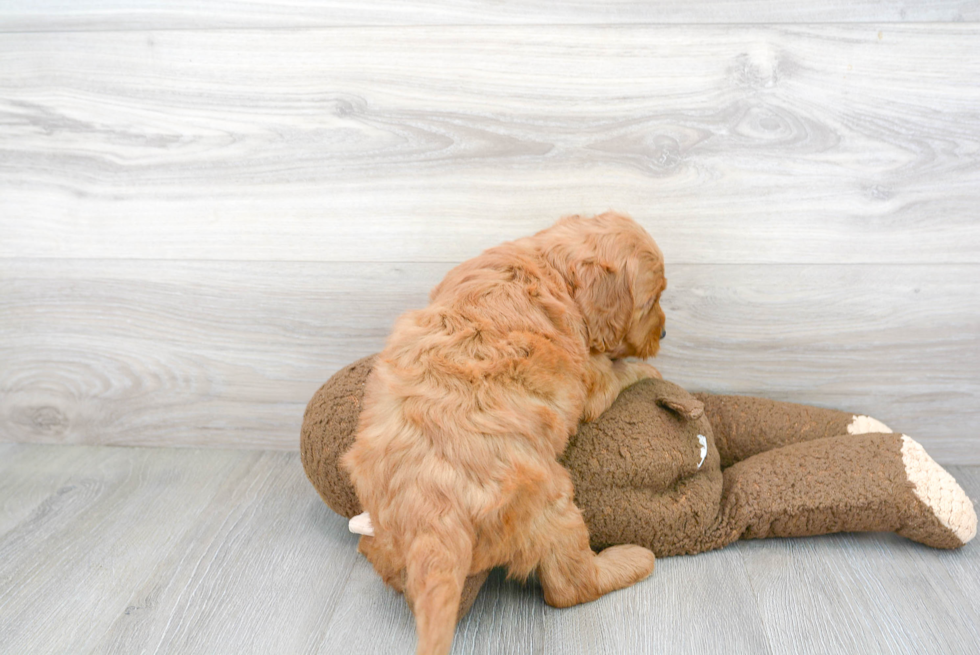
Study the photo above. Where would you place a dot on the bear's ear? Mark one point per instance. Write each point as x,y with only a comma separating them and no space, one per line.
689,408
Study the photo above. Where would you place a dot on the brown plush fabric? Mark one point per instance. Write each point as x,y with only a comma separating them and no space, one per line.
471,589
746,426
329,426
771,469
636,476
839,484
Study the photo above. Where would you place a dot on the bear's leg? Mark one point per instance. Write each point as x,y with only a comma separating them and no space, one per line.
853,483
745,426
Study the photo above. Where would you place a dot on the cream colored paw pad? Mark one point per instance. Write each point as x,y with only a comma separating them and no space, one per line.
935,487
867,425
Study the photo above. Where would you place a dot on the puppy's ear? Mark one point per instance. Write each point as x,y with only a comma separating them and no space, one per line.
604,296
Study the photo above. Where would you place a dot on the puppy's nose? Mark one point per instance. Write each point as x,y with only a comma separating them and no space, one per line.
663,333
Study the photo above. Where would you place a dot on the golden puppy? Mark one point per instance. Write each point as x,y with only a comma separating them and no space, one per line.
475,396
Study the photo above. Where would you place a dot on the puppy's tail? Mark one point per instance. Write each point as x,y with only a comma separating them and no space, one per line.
436,568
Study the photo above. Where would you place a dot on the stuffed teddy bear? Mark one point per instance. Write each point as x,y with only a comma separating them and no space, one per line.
682,474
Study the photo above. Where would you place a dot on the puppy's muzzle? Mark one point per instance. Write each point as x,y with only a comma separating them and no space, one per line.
663,333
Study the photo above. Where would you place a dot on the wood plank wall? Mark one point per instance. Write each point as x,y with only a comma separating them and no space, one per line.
204,213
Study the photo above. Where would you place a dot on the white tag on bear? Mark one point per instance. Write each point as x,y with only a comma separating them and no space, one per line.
704,448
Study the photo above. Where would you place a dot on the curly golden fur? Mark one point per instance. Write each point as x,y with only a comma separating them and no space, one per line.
475,396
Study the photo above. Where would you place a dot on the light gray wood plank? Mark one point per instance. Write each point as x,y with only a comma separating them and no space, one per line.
507,618
46,15
30,476
172,551
75,558
733,144
263,570
219,353
654,616
370,618
867,339
167,551
699,604
859,594
863,593
965,571
172,353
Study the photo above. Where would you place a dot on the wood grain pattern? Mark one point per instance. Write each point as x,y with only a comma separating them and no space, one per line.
266,536
665,613
507,618
876,340
177,353
30,476
865,593
38,15
142,546
966,576
226,353
95,536
733,144
178,550
827,603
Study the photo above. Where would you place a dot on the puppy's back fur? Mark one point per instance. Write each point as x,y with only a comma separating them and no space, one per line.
474,397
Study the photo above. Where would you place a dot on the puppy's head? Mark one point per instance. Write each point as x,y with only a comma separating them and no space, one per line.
616,273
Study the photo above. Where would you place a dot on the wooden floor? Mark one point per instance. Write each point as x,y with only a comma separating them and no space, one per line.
144,550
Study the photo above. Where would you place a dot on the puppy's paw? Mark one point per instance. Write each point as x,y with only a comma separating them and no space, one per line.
642,371
621,566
